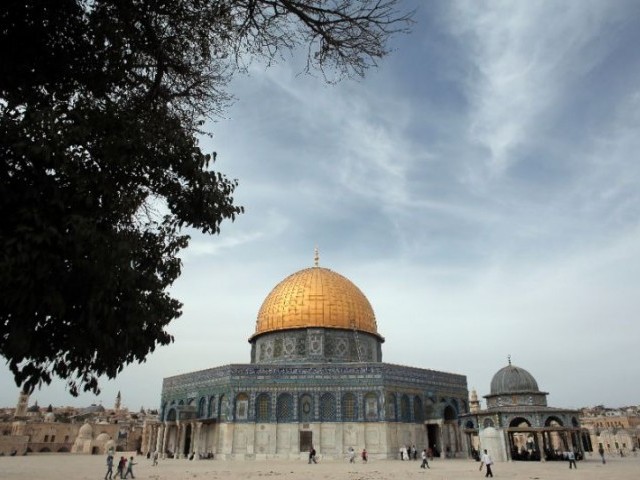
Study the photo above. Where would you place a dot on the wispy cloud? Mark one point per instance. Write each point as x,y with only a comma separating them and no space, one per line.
527,56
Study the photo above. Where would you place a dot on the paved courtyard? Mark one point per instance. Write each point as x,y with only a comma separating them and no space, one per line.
81,467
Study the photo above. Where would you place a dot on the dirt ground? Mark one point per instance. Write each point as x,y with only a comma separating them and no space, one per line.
81,467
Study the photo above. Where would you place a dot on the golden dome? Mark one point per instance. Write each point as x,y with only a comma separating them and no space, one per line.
316,297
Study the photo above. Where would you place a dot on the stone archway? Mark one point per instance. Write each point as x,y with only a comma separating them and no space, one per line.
523,441
451,439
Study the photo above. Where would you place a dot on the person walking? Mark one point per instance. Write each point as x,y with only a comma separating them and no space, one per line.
352,455
130,465
312,455
601,452
109,474
572,460
120,468
425,463
365,457
486,460
155,458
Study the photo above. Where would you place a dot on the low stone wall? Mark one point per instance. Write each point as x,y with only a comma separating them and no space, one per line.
13,443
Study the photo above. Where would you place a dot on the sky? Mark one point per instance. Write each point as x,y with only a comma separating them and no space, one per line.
481,187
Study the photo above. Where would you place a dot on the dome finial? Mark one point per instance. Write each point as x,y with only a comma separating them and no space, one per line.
316,257
509,358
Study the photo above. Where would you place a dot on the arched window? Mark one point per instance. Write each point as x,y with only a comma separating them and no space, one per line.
390,407
202,407
263,408
553,421
171,415
305,408
450,413
519,422
284,408
371,406
223,410
349,411
242,406
487,423
405,413
327,408
418,412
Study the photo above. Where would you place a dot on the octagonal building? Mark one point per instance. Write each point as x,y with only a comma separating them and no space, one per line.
317,378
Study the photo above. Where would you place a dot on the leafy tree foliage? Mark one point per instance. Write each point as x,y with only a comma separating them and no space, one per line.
101,106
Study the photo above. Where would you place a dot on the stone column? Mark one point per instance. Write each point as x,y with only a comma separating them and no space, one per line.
151,431
179,431
159,435
165,434
540,438
198,440
508,444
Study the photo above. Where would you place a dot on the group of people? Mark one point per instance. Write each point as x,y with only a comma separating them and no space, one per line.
408,452
351,455
124,468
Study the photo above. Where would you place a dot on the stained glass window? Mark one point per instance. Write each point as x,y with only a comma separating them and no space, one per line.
327,408
284,408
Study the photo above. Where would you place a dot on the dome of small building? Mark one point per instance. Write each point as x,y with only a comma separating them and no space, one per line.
316,297
93,408
85,432
103,438
512,379
50,417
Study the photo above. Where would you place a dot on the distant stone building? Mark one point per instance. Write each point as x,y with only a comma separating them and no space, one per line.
316,378
614,430
517,423
62,430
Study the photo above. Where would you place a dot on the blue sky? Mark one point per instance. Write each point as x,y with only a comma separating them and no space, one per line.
480,187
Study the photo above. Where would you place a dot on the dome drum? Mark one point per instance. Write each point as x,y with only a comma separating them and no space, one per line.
312,345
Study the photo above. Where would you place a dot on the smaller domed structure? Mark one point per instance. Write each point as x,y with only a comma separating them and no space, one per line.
85,432
517,412
103,442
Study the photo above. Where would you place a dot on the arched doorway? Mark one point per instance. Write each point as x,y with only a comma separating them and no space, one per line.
523,441
187,440
452,442
555,438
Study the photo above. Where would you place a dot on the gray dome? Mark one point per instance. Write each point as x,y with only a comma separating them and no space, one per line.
93,408
512,379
